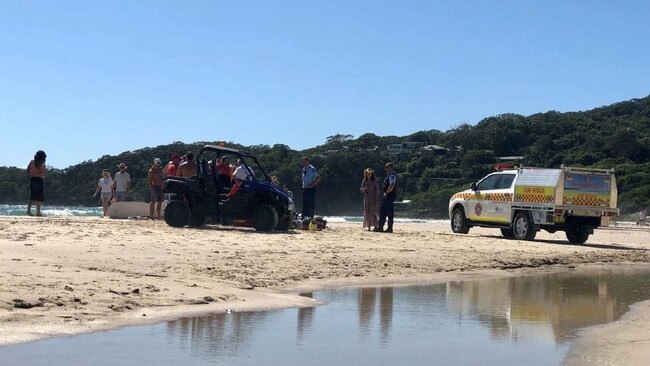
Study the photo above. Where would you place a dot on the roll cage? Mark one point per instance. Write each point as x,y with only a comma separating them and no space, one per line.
222,150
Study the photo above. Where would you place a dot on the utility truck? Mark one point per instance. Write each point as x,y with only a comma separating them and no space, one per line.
522,201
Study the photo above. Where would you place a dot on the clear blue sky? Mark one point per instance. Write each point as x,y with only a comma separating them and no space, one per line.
82,79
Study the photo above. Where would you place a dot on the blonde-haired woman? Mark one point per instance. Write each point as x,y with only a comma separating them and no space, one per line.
105,186
370,190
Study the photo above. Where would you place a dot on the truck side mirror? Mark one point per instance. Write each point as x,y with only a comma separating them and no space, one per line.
473,186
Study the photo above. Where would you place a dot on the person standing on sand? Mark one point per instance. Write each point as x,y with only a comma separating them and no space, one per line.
310,178
155,177
106,187
387,208
643,217
122,183
36,172
370,191
188,167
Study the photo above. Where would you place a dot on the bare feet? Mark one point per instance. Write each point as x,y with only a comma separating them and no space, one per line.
29,213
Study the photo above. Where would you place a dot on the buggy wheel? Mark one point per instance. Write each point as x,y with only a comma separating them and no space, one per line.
227,221
197,220
459,222
522,227
577,235
177,214
284,224
264,218
508,233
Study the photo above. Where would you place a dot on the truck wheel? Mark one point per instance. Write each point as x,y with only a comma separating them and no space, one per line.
577,235
508,233
522,227
177,214
459,222
264,218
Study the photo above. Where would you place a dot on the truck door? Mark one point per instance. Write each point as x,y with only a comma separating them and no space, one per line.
478,207
501,198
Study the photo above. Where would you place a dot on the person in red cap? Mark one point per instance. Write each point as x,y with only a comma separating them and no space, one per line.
172,167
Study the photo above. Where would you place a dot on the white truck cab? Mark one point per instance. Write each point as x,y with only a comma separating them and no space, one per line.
522,201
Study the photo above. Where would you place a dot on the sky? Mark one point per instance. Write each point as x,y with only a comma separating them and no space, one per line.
83,79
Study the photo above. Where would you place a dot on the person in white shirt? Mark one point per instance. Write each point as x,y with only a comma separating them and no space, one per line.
105,186
242,172
122,183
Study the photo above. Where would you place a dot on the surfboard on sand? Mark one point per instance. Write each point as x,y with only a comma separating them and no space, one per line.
124,210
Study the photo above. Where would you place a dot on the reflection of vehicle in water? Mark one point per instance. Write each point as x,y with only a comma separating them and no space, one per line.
522,201
546,309
260,204
552,306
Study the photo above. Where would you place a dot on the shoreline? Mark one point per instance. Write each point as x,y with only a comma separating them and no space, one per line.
621,342
266,300
92,274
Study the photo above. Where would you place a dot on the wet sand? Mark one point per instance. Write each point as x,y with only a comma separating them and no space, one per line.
68,275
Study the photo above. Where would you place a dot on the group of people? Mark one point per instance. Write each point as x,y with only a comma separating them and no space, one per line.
110,188
178,166
116,189
372,195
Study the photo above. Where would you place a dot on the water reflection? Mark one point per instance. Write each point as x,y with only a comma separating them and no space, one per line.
305,317
525,320
552,306
219,334
547,307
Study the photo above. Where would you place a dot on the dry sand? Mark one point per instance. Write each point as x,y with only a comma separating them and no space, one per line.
67,275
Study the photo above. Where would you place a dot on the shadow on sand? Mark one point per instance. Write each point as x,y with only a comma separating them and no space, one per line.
564,242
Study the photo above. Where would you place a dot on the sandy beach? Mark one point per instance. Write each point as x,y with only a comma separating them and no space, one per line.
68,275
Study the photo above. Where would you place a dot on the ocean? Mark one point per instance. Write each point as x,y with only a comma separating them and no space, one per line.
20,210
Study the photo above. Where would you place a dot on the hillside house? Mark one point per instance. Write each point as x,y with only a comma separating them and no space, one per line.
432,150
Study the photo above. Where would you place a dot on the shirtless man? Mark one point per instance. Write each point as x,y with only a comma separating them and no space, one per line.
188,167
171,169
156,177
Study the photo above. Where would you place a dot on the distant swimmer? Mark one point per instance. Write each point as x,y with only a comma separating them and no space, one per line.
36,171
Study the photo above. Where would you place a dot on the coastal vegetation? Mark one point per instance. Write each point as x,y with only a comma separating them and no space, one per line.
432,164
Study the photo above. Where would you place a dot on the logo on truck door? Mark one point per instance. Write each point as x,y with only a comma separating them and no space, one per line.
478,209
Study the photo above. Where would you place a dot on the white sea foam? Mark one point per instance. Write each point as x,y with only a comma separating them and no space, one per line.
20,210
